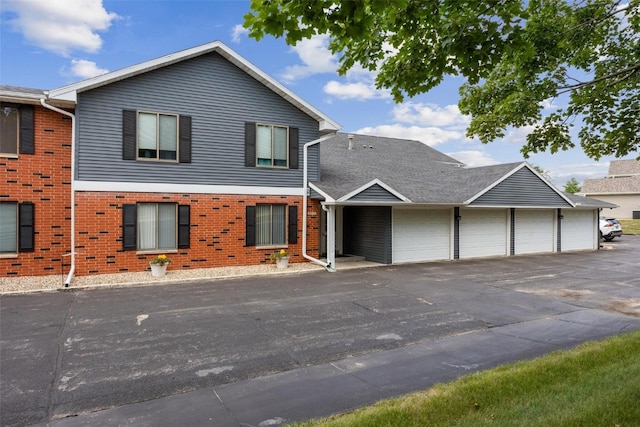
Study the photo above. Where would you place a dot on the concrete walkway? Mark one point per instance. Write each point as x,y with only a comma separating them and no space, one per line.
331,388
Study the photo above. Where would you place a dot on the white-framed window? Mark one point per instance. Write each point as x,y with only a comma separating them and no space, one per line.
271,225
272,146
157,226
157,136
9,130
8,228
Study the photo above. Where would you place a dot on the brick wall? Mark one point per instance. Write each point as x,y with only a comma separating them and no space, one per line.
217,232
43,178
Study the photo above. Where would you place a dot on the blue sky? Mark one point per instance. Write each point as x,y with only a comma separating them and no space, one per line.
46,44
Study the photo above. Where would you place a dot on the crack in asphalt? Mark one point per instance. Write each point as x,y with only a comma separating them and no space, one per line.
57,365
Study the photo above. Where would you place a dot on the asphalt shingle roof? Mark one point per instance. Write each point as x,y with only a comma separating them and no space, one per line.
415,170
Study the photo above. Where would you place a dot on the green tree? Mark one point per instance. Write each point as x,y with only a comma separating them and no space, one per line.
515,55
572,186
542,172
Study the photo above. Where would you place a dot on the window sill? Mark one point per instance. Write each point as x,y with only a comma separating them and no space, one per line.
9,255
8,156
157,252
283,246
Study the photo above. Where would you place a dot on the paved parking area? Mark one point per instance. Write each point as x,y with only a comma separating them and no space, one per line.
130,353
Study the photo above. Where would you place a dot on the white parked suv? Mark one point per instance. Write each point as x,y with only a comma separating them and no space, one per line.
609,228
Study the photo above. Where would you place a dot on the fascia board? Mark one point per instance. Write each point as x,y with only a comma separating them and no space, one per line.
359,190
326,196
514,170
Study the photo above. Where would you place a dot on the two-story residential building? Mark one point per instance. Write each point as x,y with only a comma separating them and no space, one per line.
35,187
202,156
196,155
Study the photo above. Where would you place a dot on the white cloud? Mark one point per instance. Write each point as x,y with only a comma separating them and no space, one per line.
517,135
237,32
430,115
428,135
579,171
315,56
358,90
86,69
473,158
61,26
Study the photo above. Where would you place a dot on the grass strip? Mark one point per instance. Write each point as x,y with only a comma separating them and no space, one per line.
595,384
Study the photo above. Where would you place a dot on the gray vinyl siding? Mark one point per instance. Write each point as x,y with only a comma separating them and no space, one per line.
367,232
375,193
521,189
219,97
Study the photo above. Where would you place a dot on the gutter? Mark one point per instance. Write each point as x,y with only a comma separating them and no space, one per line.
72,253
305,188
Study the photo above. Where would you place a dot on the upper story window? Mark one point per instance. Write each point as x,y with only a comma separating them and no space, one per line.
16,129
272,146
157,136
9,131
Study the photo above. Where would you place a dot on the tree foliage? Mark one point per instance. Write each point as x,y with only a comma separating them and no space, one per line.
572,186
515,56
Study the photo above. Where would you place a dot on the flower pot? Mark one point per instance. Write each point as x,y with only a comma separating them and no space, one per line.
282,262
158,270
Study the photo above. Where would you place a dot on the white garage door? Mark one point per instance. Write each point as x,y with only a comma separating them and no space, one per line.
420,235
578,230
534,231
483,232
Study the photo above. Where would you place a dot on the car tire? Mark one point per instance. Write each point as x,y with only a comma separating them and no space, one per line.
608,239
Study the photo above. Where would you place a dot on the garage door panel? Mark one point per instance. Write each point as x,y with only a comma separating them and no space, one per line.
534,231
483,232
420,235
578,230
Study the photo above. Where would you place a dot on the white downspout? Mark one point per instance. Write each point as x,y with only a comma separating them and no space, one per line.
72,270
305,188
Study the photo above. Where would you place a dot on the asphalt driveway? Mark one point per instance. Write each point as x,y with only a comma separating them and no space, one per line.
70,353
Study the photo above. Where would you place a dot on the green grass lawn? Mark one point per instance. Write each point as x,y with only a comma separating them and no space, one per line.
595,384
630,226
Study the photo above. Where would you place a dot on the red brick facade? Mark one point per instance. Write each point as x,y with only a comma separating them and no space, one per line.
217,222
44,179
217,231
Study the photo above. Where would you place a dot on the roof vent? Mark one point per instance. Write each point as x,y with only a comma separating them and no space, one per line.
350,136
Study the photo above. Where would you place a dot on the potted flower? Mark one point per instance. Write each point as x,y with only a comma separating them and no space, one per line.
159,265
281,258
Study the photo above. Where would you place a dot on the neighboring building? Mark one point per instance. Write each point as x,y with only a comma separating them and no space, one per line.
396,201
202,156
35,189
620,187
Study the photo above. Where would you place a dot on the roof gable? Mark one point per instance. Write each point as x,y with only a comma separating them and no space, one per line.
69,92
523,187
374,191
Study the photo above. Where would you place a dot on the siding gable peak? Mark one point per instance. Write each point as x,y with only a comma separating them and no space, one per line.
374,191
70,92
521,187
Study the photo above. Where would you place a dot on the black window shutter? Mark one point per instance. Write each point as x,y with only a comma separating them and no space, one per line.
184,226
250,238
250,144
26,221
129,219
129,130
293,148
293,224
185,139
27,144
